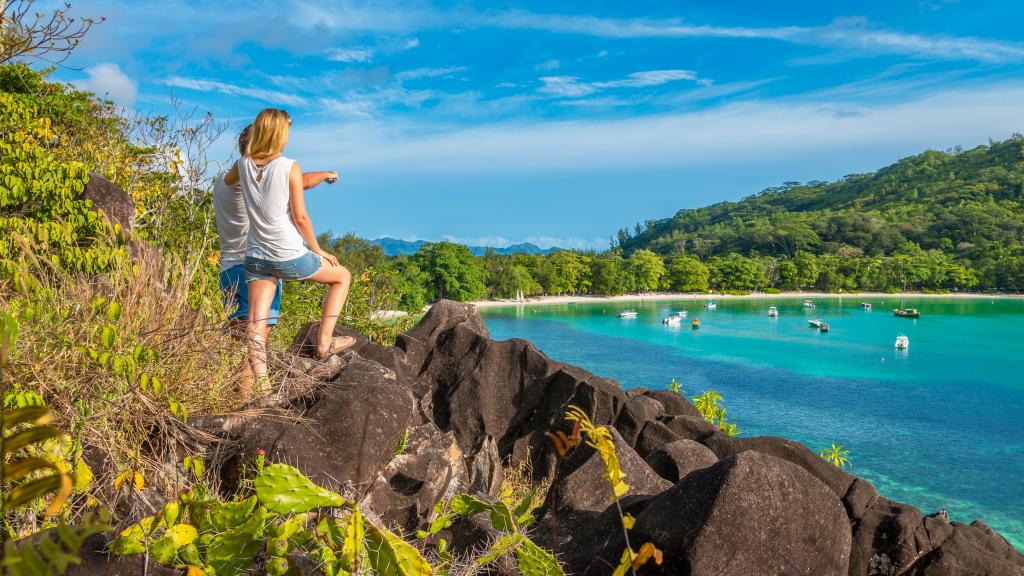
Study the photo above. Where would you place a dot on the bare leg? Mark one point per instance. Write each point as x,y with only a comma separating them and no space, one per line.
261,295
338,280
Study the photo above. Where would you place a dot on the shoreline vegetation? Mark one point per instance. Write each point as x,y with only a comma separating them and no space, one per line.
675,296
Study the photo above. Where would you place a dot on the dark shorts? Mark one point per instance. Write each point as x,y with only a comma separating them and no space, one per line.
296,269
236,294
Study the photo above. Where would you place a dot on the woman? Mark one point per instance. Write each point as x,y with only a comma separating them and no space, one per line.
281,242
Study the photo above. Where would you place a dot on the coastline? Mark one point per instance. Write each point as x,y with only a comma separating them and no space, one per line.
664,296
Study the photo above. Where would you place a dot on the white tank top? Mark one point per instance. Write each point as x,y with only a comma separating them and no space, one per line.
232,223
272,234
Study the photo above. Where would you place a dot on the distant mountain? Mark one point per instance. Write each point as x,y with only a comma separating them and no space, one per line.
394,247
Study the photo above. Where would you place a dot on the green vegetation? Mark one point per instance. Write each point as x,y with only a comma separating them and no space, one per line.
836,455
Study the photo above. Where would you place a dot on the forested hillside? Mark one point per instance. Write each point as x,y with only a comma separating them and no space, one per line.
963,208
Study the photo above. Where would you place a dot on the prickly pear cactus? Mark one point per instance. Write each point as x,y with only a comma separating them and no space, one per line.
283,489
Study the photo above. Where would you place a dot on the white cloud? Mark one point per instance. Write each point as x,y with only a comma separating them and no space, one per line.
548,66
784,129
272,96
573,87
354,55
417,73
411,43
107,80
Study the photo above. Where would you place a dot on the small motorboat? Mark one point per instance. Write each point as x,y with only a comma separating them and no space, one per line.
773,312
627,314
695,324
711,305
808,303
814,323
675,318
902,342
823,326
907,312
865,306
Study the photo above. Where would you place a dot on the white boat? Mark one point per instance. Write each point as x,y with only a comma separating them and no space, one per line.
814,323
674,318
808,303
627,314
866,306
711,305
902,342
773,312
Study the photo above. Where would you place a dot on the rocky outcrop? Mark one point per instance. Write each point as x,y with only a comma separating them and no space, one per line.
111,200
467,404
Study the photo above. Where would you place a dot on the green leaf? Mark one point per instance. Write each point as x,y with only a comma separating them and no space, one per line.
502,546
107,336
501,517
535,561
391,556
228,515
285,490
466,505
113,312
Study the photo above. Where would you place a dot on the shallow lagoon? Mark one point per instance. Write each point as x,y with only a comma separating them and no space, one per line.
939,426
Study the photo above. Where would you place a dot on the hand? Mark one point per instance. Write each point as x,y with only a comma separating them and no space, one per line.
331,178
327,256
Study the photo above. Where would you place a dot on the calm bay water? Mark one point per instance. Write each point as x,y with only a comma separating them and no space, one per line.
939,426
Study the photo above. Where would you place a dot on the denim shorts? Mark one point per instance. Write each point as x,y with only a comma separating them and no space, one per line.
297,269
236,295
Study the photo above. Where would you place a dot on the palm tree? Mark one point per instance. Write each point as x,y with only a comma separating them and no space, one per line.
836,455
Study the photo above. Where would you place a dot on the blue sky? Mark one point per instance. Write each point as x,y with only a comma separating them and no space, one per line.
559,123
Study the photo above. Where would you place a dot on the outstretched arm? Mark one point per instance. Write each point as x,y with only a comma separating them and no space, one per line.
297,208
312,179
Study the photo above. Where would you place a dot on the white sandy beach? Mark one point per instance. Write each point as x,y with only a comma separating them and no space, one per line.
657,296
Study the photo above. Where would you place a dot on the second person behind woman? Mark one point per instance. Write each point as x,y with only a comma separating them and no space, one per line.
281,242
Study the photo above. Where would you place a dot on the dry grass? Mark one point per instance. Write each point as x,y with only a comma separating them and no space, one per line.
518,481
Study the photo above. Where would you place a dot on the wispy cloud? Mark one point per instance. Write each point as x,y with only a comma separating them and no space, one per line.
272,96
109,81
573,87
418,73
358,55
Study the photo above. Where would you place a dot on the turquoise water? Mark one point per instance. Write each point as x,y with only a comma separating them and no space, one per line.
938,426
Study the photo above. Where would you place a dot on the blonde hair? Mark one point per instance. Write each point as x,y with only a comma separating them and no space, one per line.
269,133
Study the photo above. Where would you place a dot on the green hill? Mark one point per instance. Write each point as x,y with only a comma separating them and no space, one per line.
964,206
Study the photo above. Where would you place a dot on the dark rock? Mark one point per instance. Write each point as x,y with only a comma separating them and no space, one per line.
349,431
859,498
485,470
690,427
637,411
442,317
748,514
676,459
430,470
893,534
675,404
837,480
971,550
654,436
471,534
111,200
508,390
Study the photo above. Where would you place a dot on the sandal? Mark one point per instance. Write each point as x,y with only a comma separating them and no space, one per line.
338,348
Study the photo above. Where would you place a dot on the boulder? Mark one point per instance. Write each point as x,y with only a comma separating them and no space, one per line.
676,459
971,550
637,411
509,391
305,340
349,431
429,470
674,404
111,200
894,534
690,427
748,514
837,480
654,436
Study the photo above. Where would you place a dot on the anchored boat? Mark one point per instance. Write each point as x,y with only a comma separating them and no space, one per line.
808,303
711,305
773,312
627,314
902,342
674,318
695,324
907,312
866,306
814,323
